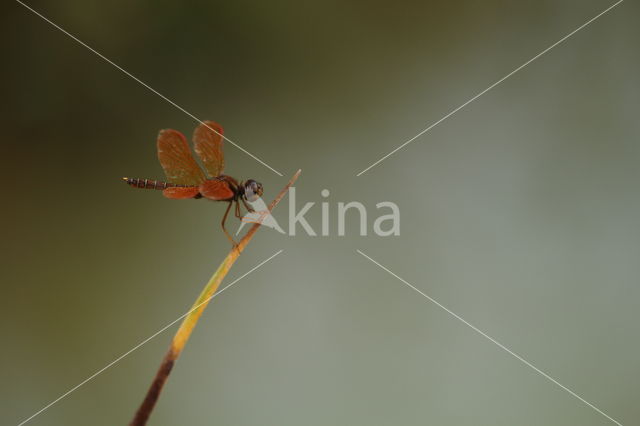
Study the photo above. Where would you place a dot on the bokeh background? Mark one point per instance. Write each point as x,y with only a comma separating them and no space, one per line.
519,213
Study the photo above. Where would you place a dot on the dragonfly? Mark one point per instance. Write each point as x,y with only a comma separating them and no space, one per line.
187,180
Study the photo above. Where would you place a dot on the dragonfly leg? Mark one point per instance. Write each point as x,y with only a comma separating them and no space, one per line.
224,219
238,215
247,206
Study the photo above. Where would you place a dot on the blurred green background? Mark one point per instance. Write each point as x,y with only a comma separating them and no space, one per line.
519,213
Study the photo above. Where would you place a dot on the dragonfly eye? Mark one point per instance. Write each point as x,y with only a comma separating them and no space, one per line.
252,190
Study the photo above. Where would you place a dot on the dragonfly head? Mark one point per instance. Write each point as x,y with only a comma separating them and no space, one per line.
252,190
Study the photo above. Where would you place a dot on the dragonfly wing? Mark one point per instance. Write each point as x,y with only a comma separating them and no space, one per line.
207,141
176,159
181,193
217,190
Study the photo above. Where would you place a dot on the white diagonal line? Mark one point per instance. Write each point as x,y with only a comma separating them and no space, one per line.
491,87
148,87
91,377
500,345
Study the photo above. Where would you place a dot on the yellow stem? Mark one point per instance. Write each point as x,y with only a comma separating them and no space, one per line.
190,321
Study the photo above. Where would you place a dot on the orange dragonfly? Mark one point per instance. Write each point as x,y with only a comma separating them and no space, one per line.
187,180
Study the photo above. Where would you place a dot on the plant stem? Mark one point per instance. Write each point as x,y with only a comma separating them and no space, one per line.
190,321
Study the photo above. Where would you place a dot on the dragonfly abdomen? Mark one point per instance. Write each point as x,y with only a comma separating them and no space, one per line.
150,184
